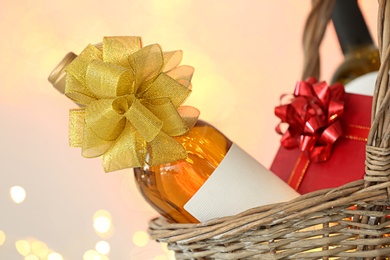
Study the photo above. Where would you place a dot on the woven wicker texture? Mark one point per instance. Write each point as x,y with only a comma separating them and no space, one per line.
349,222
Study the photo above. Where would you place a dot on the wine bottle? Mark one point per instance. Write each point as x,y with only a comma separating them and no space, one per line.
216,179
361,56
177,190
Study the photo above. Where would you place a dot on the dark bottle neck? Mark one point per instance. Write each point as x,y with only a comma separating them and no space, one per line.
351,29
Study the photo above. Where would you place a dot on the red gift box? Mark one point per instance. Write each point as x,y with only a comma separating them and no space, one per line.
346,162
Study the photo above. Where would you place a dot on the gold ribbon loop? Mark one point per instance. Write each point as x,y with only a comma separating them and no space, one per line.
132,108
77,92
147,64
163,148
79,66
118,49
164,86
109,80
147,124
172,59
104,120
93,145
189,114
163,108
182,74
76,127
126,153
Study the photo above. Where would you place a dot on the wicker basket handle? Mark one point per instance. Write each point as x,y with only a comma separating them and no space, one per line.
314,31
378,144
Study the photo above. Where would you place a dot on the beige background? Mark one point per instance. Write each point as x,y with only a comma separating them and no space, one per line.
245,53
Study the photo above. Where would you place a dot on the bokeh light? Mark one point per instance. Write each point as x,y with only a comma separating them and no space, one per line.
102,224
140,238
103,247
54,256
31,257
18,194
102,221
164,246
34,249
23,247
93,255
39,249
2,237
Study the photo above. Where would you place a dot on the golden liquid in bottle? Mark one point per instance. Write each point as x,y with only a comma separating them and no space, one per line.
357,62
169,187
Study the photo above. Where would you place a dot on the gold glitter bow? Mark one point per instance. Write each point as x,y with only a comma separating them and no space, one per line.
131,99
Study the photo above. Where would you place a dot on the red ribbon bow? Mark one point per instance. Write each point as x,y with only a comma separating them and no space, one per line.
312,117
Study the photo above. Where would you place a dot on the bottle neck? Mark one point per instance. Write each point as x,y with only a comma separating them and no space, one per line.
351,28
57,76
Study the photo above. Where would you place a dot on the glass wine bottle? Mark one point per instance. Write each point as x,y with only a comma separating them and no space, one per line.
361,56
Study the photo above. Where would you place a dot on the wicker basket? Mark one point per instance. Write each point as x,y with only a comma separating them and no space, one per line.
349,222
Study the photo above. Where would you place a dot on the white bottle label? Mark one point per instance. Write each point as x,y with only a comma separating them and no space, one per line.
363,85
239,183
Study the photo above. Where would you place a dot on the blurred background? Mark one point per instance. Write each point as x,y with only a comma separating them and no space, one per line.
56,205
